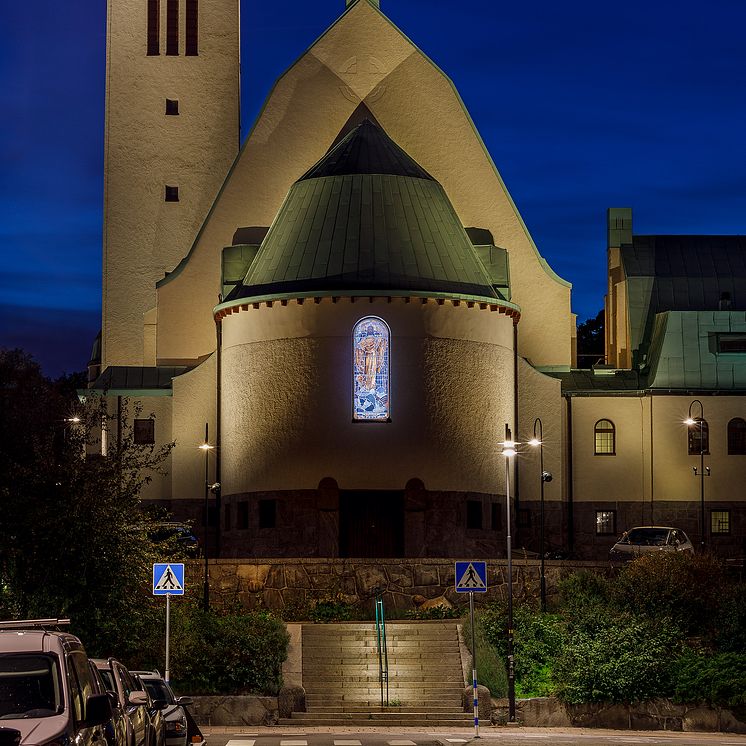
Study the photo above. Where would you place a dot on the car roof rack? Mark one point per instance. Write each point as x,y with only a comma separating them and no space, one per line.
34,623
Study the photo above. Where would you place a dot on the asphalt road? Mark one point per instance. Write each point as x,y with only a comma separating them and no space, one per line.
505,736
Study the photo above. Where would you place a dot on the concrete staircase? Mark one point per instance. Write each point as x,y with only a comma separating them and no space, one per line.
340,675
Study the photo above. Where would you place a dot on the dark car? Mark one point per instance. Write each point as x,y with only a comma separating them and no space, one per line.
47,691
179,534
174,714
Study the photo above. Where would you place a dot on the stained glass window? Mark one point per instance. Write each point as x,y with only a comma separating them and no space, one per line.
371,369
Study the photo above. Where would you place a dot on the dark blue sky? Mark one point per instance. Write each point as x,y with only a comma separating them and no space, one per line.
583,105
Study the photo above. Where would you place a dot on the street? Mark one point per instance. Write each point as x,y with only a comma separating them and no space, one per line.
505,736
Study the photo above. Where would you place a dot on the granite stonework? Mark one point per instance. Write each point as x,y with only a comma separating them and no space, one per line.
236,710
659,714
406,584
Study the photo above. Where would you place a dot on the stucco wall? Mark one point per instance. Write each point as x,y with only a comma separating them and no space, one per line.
144,236
287,397
362,58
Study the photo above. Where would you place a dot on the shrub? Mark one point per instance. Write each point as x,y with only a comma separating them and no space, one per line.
730,634
686,588
490,668
331,610
716,679
582,591
625,659
237,653
537,640
434,612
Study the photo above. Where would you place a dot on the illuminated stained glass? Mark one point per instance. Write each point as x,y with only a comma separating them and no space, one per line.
371,369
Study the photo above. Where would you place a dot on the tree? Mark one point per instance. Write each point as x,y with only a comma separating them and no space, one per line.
591,341
75,539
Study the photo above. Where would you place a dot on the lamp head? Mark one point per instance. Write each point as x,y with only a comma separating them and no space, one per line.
546,476
534,442
206,447
689,421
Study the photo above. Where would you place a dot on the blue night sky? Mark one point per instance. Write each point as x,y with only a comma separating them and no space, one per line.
583,105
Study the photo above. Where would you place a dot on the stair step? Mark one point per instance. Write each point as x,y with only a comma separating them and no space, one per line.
394,722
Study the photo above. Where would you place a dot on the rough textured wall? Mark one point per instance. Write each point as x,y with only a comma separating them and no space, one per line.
287,401
144,236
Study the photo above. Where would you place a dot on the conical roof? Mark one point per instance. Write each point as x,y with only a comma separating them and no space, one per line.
366,218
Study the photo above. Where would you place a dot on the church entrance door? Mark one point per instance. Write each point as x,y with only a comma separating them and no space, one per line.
371,523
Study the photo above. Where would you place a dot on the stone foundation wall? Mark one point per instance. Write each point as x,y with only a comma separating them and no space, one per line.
406,584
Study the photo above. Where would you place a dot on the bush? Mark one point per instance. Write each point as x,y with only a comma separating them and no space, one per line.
490,668
537,640
237,653
730,629
434,612
685,588
582,592
625,659
717,679
331,610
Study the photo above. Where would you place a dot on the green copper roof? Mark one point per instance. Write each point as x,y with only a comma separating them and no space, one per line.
366,216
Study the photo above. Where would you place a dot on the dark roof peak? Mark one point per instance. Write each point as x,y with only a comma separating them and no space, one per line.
366,149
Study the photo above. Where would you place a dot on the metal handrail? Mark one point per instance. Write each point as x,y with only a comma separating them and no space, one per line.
383,656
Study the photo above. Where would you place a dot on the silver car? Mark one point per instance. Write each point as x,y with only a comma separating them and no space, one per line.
648,540
174,714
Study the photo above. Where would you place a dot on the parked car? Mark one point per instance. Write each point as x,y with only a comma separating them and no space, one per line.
115,730
47,691
132,701
180,533
155,709
650,539
174,714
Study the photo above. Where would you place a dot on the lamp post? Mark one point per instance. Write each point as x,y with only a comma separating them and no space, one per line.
206,447
544,476
509,451
691,421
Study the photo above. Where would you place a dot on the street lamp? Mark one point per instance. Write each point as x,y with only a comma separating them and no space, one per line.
691,421
509,451
544,476
206,447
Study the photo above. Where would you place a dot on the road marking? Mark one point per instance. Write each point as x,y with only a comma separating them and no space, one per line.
401,743
292,743
241,742
351,742
456,740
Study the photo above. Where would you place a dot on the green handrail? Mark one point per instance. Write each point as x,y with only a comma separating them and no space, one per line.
383,656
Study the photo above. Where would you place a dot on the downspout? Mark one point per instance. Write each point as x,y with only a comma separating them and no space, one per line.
570,479
218,489
516,491
652,464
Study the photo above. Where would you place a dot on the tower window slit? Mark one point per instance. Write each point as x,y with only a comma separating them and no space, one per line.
154,27
192,27
172,27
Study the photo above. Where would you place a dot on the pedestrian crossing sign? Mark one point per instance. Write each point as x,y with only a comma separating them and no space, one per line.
168,579
471,577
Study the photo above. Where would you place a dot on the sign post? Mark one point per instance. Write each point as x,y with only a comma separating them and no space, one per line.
471,578
168,580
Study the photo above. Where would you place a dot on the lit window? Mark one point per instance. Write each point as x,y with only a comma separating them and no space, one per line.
473,514
172,106
737,437
371,370
720,521
605,522
699,437
172,194
144,433
604,438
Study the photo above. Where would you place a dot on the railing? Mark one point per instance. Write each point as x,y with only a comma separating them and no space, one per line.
383,656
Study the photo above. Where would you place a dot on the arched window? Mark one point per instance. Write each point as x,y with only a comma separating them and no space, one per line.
699,437
604,438
737,437
370,366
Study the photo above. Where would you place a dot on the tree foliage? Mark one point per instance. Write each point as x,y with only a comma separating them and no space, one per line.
75,540
591,341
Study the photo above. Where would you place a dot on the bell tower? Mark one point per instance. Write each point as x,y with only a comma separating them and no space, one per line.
172,133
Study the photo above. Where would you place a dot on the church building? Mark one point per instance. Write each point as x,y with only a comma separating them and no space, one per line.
338,320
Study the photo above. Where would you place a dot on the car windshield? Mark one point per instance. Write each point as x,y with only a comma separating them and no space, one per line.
649,537
157,689
29,686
